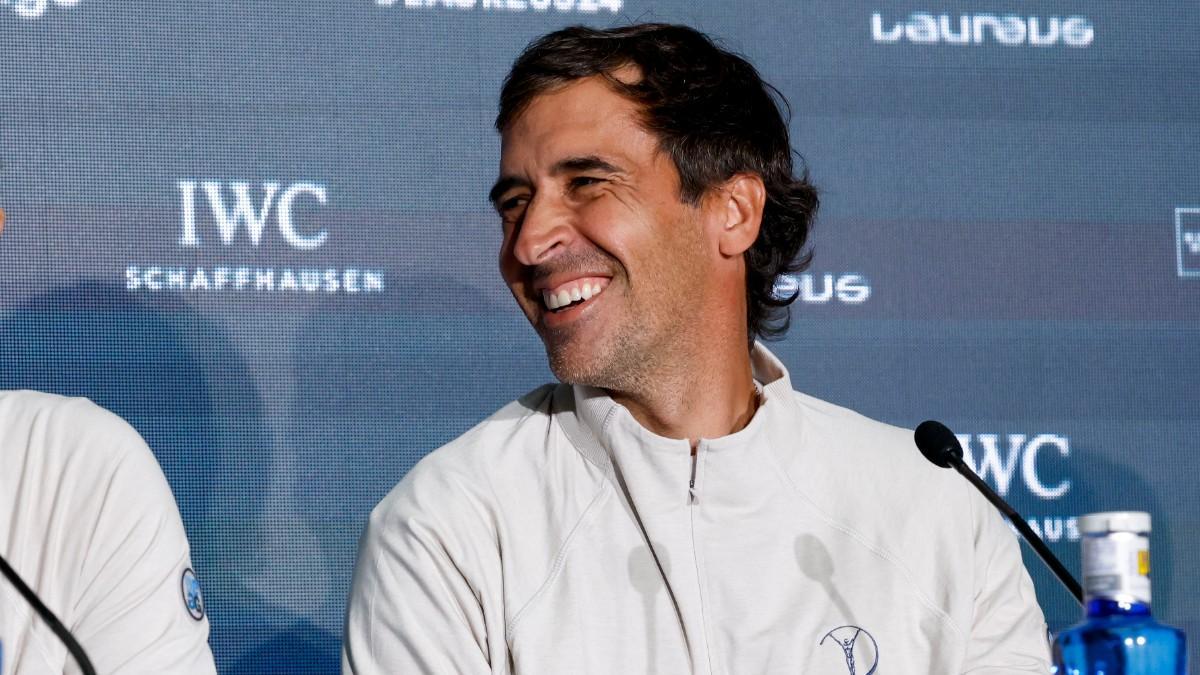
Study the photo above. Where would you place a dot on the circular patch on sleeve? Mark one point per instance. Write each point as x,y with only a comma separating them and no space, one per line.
190,587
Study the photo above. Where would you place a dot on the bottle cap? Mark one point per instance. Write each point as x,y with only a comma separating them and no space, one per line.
1115,521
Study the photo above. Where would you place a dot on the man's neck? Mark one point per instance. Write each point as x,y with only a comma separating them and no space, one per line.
699,398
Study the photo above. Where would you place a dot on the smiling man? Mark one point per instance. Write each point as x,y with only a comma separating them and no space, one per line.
673,506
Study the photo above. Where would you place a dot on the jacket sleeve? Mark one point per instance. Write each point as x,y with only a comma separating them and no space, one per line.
1008,631
139,610
424,589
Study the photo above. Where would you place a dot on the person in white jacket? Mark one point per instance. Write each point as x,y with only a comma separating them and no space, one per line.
673,506
90,524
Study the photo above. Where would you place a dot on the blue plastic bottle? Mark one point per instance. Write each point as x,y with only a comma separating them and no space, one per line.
1118,636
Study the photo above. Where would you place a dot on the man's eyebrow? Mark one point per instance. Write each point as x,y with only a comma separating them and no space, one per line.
504,184
584,163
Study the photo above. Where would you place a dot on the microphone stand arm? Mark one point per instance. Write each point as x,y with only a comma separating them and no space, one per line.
1027,532
56,626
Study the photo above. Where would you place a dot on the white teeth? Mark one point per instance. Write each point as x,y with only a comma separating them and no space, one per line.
565,297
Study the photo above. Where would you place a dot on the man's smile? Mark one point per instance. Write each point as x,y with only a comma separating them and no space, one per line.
573,292
565,299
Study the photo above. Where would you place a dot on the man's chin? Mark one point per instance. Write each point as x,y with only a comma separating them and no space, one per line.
574,362
571,367
588,354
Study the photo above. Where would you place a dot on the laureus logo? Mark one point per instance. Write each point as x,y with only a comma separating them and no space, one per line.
858,647
813,289
1009,30
32,9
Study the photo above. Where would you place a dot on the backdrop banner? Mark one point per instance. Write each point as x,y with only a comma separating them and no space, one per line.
260,233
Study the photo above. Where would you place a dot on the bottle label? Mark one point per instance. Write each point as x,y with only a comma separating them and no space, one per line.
1117,566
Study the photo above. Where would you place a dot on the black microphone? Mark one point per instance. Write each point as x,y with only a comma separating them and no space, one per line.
941,446
85,664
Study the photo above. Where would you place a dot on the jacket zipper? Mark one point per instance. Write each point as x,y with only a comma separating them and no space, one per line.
702,663
692,480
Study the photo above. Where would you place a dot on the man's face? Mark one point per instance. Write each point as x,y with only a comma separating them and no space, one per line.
606,261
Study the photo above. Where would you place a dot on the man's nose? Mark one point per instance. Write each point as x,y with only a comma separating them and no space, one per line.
546,230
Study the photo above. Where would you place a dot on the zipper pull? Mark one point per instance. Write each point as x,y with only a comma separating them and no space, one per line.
692,496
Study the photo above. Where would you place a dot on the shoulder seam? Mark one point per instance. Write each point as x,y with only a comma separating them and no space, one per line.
559,561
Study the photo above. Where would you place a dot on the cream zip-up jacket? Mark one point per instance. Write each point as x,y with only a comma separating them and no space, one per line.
88,521
560,537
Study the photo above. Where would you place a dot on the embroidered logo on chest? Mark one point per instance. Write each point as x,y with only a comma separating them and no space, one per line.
857,647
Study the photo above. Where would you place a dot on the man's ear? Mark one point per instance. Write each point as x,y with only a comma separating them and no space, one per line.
740,210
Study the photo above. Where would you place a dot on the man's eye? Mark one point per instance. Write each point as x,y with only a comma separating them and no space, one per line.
511,203
584,181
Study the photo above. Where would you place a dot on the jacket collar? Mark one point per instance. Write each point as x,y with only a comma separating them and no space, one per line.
594,421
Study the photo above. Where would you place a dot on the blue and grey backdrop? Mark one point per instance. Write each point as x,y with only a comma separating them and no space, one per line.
259,232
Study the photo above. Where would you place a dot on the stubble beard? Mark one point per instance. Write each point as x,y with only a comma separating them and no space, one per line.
618,361
635,356
616,357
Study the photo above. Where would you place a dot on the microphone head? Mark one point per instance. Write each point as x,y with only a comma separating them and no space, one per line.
938,444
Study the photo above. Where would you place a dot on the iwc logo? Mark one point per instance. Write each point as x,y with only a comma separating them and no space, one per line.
192,600
858,649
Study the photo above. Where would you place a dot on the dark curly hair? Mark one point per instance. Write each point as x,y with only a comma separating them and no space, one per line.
714,116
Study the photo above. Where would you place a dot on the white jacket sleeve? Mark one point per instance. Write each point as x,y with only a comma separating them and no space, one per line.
131,610
135,615
1008,634
425,596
